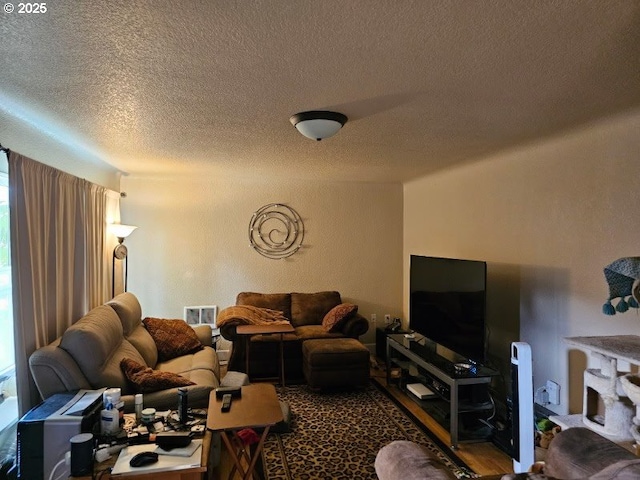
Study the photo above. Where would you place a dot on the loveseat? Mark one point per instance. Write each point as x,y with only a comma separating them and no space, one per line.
306,312
575,453
89,353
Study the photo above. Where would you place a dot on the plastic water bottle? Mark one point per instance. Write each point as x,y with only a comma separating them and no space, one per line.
109,418
138,407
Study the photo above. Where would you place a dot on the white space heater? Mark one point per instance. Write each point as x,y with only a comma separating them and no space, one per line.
522,395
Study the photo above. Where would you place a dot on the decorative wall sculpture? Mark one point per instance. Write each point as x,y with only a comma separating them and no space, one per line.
276,231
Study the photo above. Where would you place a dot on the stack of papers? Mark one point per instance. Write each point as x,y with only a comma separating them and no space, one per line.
180,452
165,463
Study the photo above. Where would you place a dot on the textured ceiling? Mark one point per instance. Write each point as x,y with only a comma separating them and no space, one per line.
207,87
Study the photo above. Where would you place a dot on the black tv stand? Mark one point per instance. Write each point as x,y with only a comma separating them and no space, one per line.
461,396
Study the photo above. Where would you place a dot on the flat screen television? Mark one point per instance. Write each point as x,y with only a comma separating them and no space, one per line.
447,303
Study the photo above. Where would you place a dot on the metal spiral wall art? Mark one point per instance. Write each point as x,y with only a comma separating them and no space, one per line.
276,231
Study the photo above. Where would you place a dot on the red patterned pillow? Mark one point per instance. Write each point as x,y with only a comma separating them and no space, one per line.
147,380
338,315
173,338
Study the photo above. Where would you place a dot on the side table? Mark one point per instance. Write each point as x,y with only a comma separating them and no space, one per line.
249,330
258,407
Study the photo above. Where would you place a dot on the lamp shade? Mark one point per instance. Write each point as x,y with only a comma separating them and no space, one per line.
120,230
318,124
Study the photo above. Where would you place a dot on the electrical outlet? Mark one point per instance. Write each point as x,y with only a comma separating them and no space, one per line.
553,389
541,397
374,318
387,319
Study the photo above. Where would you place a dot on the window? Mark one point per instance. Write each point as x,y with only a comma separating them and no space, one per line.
7,357
8,399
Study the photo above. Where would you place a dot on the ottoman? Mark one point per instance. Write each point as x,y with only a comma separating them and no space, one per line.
335,362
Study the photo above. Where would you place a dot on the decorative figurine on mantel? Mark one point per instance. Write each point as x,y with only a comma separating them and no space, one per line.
623,277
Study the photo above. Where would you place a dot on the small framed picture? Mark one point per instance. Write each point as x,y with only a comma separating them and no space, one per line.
196,315
192,315
208,315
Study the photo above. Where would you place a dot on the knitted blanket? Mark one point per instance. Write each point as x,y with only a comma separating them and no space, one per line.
623,277
249,315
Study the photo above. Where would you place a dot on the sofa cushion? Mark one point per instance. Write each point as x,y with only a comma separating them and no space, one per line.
129,311
338,315
234,379
409,461
173,338
309,332
96,344
564,460
111,375
146,380
142,340
310,308
186,365
197,396
272,301
332,353
201,367
621,470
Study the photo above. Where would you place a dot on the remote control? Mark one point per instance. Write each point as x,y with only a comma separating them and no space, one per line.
226,402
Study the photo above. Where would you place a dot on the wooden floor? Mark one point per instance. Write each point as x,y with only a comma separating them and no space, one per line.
484,458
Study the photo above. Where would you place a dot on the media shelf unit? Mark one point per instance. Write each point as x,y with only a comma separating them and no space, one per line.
461,397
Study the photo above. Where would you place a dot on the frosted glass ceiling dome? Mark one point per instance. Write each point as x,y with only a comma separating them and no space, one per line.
318,124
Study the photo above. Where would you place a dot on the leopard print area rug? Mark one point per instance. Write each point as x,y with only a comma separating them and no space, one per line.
336,435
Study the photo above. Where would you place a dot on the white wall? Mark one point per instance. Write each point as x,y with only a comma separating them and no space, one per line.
47,141
547,218
192,246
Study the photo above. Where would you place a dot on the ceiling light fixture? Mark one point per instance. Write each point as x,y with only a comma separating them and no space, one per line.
318,124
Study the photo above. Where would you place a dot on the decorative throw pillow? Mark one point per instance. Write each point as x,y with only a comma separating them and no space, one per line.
338,315
173,338
147,380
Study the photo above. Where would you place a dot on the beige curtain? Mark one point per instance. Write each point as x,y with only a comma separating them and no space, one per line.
61,266
103,208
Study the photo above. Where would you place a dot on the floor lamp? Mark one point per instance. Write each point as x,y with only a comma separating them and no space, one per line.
119,252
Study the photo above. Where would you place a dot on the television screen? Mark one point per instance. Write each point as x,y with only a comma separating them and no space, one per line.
447,303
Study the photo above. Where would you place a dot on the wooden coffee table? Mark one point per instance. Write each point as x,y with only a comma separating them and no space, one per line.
249,330
257,408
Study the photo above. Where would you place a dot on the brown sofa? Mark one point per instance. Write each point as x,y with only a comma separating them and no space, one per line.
305,311
575,453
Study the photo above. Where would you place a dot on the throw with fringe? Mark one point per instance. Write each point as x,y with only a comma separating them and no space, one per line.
249,315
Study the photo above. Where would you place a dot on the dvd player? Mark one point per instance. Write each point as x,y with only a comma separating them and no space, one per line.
420,391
